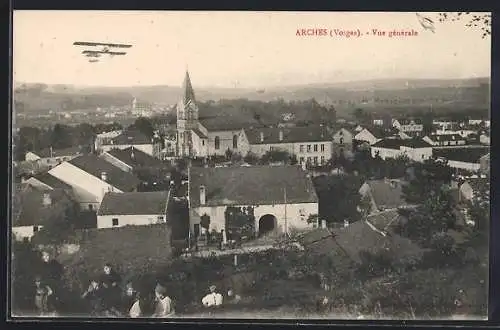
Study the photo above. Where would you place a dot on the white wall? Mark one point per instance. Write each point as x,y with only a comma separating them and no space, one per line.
22,232
296,215
146,148
417,154
365,135
106,221
226,142
464,165
83,184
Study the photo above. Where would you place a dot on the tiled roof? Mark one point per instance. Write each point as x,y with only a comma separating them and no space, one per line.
255,185
116,177
226,123
45,153
51,181
135,157
445,137
385,220
395,143
134,203
290,135
131,137
199,133
29,209
359,237
468,155
387,194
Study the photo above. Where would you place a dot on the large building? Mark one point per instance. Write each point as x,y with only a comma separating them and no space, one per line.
197,139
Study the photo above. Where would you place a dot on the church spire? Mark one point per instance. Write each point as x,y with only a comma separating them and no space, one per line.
188,92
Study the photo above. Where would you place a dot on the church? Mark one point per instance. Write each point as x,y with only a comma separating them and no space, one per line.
199,138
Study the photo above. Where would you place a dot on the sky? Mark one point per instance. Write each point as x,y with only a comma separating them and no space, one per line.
241,49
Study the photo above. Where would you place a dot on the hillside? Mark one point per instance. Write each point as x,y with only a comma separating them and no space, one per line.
34,98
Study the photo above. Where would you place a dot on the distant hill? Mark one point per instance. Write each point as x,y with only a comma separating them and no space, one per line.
42,97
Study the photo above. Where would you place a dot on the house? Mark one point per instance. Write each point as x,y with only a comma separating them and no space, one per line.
279,196
444,124
462,158
445,139
46,181
342,142
477,121
105,138
378,122
133,209
311,145
32,209
141,108
129,138
91,177
372,135
366,136
51,157
384,194
130,159
415,149
386,221
413,127
484,164
207,137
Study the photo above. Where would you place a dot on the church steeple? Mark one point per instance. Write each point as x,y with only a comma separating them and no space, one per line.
187,90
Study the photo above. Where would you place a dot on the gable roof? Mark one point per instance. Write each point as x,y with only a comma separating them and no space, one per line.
94,165
250,185
385,220
135,157
130,137
468,155
51,181
290,134
134,203
359,237
29,209
46,153
387,193
396,143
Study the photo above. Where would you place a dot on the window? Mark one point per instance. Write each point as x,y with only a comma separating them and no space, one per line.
91,207
322,148
202,143
301,160
308,160
217,143
315,160
308,148
235,142
315,148
301,148
114,222
35,229
322,160
160,218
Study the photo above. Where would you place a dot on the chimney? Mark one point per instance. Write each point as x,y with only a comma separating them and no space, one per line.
47,200
323,224
261,136
104,176
281,135
203,195
346,223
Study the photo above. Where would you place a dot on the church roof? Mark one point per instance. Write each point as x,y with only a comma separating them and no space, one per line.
187,90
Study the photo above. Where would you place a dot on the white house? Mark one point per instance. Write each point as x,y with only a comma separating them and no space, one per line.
282,197
92,177
467,159
445,139
133,209
311,144
415,149
127,139
366,136
105,138
412,127
51,157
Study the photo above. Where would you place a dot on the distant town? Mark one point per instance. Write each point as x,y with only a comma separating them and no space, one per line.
254,196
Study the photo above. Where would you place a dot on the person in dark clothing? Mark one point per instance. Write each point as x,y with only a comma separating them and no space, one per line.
110,283
51,273
93,295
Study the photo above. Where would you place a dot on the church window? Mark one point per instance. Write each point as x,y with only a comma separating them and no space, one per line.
217,143
235,142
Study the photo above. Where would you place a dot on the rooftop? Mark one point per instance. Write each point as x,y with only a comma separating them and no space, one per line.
94,165
256,185
46,153
131,137
468,154
51,181
445,137
290,135
135,157
387,193
396,143
134,203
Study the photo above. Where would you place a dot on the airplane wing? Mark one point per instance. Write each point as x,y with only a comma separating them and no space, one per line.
116,53
86,43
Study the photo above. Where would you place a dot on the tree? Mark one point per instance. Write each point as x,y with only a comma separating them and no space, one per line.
277,156
229,154
61,137
482,21
251,158
359,114
144,126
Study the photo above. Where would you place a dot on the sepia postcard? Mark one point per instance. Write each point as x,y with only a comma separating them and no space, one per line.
177,165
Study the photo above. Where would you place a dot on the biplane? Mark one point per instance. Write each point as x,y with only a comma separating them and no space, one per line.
102,49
